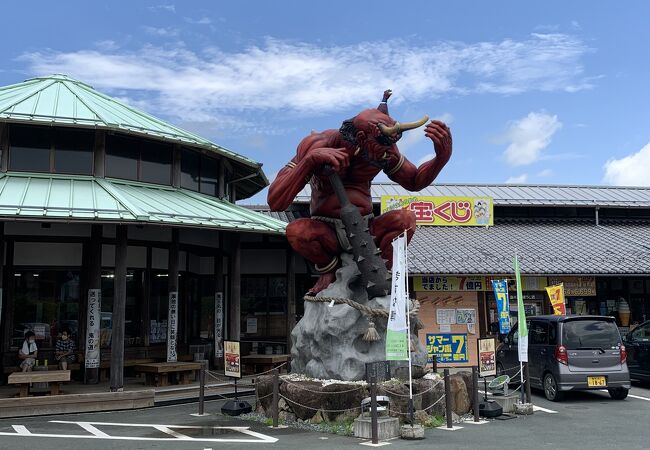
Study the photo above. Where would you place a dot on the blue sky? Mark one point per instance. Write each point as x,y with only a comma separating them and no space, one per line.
534,92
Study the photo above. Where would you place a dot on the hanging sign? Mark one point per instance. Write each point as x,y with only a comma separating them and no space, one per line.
232,359
397,340
445,283
93,321
500,288
556,294
443,211
172,327
445,316
218,324
487,356
447,347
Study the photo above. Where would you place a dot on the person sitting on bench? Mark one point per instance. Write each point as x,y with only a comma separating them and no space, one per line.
29,352
65,349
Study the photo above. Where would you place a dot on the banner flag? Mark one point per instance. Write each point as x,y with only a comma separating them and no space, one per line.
556,294
500,288
397,339
522,326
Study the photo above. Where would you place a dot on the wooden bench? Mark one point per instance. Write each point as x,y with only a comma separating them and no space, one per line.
264,362
53,377
105,366
157,374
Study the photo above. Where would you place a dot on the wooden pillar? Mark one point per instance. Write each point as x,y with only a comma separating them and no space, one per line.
234,302
119,311
99,153
291,295
146,301
8,294
94,260
4,147
172,284
219,289
3,308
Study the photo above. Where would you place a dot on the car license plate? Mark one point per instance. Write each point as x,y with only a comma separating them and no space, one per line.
596,382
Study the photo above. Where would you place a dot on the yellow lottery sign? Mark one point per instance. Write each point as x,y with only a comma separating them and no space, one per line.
443,211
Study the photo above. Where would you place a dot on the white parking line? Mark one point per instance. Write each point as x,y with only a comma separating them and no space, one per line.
539,408
632,395
95,433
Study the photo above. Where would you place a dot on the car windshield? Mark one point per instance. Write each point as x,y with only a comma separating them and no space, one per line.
590,334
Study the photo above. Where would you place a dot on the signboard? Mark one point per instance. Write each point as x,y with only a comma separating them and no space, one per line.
556,295
500,288
443,211
251,325
93,321
445,316
380,370
576,286
397,339
231,359
172,327
448,348
218,324
487,357
444,283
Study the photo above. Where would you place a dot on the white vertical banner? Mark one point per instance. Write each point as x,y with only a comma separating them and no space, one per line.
397,339
172,327
93,331
218,325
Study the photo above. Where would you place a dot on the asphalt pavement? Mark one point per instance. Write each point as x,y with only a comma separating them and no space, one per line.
583,420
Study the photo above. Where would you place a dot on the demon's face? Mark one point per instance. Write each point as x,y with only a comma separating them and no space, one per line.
370,137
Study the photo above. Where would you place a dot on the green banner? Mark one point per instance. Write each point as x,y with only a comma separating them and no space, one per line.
397,345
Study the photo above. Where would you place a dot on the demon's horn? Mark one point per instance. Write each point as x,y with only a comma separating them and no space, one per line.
400,127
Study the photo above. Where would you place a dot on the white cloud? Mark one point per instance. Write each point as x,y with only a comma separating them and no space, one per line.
309,79
425,158
519,179
631,170
545,173
162,32
168,8
528,137
202,21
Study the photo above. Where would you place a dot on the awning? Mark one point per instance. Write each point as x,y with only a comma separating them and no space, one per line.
83,198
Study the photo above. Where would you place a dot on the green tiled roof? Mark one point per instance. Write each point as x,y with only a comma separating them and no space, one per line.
56,197
61,100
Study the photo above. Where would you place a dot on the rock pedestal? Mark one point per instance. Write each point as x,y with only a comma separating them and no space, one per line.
328,341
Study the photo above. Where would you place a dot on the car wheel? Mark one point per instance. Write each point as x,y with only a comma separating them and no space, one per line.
551,390
618,393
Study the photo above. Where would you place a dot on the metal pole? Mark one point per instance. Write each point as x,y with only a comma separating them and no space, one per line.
522,386
373,410
201,389
448,412
527,380
475,389
276,399
434,362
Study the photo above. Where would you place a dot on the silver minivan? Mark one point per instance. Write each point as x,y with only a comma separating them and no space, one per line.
569,353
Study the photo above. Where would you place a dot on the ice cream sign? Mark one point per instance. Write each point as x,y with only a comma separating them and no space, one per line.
443,211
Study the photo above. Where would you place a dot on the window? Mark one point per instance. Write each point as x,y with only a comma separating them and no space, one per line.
29,148
209,175
132,322
122,154
189,170
264,306
46,301
552,333
590,334
156,162
538,333
73,151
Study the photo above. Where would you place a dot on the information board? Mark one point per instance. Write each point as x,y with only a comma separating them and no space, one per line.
449,348
232,359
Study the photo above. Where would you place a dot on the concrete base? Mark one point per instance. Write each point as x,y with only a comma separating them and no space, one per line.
412,432
525,409
453,428
507,402
387,427
75,403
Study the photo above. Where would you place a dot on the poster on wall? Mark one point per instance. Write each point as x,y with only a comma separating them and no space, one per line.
218,324
575,286
441,283
443,211
231,358
465,315
93,320
172,327
487,356
445,316
448,348
251,325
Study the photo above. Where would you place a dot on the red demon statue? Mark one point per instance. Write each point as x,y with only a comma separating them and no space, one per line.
364,146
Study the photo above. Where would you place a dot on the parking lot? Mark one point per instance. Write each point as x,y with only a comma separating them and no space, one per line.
582,420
